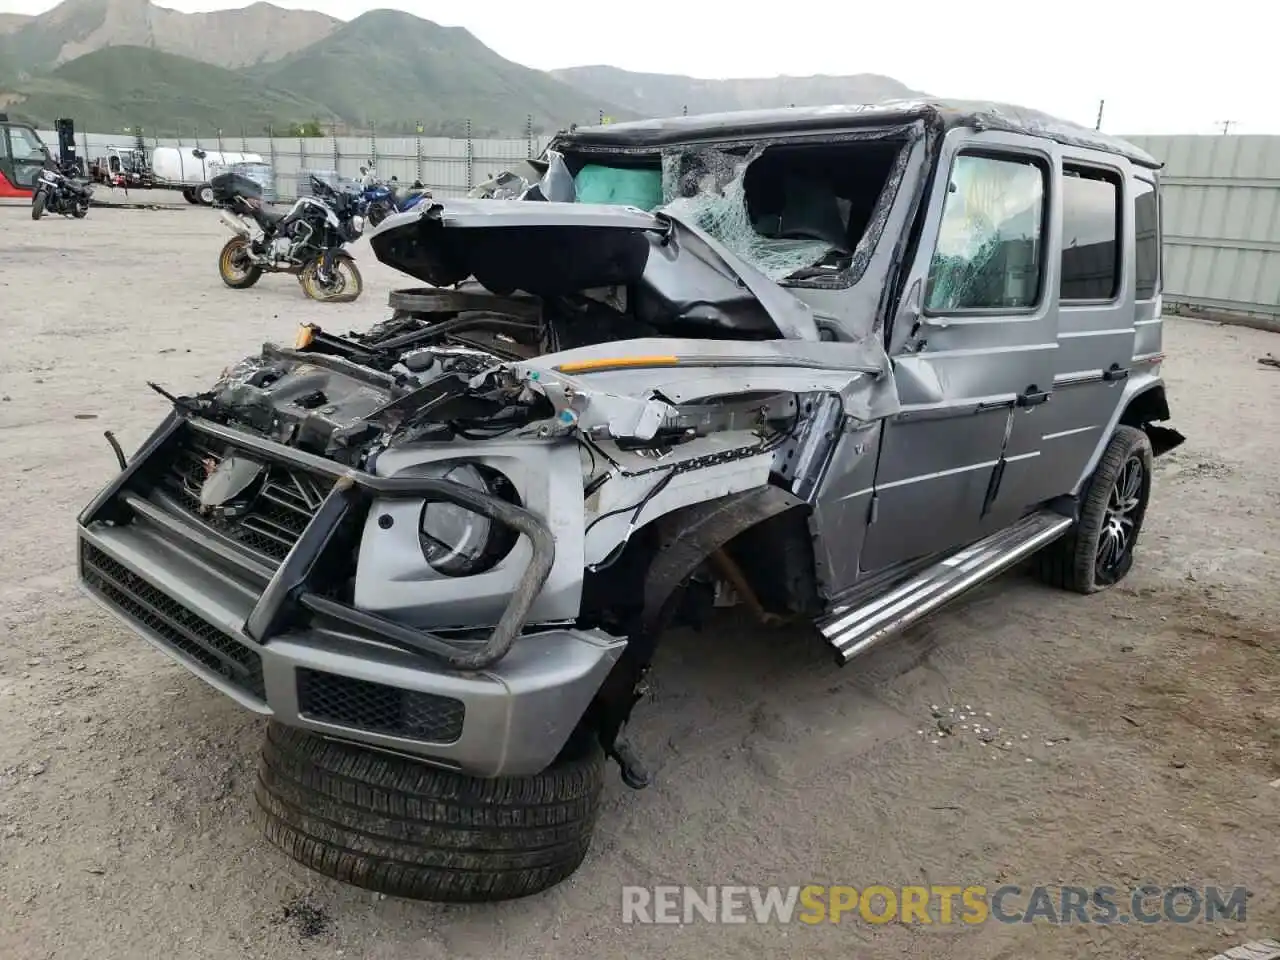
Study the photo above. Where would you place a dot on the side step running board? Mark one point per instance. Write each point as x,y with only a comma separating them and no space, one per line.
855,629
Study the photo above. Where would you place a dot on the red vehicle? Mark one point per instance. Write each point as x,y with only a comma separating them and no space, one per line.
22,156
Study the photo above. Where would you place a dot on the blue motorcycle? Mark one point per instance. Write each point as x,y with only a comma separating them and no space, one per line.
380,199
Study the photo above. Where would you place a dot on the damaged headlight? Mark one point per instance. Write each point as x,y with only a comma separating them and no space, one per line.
458,542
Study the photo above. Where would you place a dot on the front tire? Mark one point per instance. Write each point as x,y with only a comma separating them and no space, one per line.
1098,551
235,267
400,827
346,285
204,194
80,210
37,205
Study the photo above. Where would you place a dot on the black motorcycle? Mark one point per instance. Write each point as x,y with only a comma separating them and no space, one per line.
308,241
56,193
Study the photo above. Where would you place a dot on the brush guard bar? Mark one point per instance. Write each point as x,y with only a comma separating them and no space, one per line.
289,588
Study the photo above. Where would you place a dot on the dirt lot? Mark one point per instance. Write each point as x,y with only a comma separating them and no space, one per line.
125,784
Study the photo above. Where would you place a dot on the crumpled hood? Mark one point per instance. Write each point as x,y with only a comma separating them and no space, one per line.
556,249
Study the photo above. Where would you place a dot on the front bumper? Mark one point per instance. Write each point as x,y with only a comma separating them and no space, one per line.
263,631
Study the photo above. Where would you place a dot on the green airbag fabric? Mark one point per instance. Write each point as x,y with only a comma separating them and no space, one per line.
620,186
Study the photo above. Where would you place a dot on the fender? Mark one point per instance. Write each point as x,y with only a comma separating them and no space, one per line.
686,538
689,535
1144,395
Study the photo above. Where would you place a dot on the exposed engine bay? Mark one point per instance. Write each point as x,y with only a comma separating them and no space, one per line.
437,377
452,370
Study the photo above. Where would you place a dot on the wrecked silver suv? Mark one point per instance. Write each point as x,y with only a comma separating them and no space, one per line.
835,364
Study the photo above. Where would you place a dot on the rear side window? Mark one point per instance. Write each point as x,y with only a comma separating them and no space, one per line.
1146,223
990,242
1090,234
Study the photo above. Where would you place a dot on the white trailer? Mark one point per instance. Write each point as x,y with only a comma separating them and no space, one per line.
190,169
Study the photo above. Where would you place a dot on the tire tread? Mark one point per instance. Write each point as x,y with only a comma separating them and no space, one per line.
404,828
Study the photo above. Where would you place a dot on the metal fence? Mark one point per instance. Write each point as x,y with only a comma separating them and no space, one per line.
449,167
1221,200
1221,196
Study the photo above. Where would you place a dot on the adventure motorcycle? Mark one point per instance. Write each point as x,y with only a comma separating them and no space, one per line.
380,199
307,242
56,193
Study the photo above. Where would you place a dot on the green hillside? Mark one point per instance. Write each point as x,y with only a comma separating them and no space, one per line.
127,86
159,69
33,45
390,67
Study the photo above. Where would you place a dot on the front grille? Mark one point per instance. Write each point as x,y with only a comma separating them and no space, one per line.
379,708
268,517
182,629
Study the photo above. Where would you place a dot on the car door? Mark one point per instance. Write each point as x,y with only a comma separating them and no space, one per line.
1098,329
972,347
8,188
27,156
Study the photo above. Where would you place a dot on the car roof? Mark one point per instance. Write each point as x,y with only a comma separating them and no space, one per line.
785,121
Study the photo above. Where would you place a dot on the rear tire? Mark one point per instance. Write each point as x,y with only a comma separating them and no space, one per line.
37,205
233,266
80,210
1097,552
189,195
404,828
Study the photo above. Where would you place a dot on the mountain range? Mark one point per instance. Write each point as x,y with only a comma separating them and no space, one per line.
114,63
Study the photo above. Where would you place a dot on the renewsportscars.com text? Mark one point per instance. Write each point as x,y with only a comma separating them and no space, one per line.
937,904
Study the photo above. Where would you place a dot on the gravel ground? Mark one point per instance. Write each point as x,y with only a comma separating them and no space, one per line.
125,784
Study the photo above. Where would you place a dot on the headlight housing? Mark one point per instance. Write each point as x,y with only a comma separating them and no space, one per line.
456,541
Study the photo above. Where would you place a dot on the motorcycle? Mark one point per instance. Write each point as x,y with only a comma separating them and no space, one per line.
307,242
56,193
380,199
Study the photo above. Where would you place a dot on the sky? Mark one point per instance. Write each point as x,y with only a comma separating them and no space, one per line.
1160,68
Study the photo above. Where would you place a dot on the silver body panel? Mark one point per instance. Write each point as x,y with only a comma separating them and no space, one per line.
921,433
518,713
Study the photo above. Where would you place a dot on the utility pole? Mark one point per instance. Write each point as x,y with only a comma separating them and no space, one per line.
1226,126
1101,104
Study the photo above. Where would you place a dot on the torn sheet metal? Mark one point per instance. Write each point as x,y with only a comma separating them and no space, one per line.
556,249
636,403
556,184
625,504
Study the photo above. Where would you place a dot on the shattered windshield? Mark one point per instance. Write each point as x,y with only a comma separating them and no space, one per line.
707,188
790,212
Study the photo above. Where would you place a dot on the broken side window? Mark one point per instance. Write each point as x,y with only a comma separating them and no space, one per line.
990,241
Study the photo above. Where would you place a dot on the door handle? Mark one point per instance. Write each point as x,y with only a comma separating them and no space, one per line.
1116,372
1033,396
